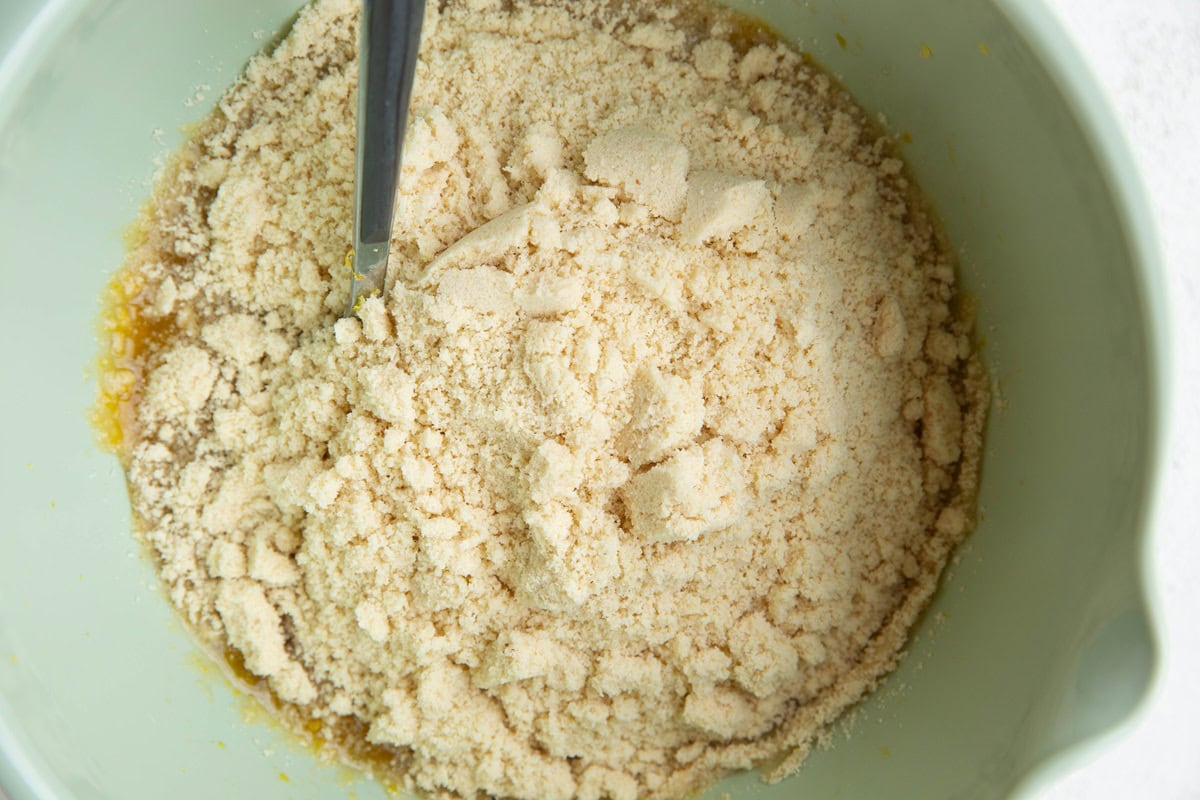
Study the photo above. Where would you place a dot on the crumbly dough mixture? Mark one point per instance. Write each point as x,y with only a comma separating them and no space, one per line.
646,462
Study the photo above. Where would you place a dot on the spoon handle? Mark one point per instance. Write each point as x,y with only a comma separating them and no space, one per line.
389,40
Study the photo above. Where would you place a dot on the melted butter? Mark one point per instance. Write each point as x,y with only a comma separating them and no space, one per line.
743,31
333,736
130,338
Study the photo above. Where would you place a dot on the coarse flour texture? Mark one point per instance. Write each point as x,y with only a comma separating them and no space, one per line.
645,463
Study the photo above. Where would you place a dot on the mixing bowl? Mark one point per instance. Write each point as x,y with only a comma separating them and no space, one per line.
1041,638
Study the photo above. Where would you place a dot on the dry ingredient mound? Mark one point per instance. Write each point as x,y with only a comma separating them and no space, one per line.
643,466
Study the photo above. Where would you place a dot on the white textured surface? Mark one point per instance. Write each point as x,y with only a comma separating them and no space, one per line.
1147,57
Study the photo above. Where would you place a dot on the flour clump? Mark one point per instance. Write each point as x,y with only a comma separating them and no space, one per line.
644,464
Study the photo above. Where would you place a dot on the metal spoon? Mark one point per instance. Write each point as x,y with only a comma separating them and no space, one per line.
388,44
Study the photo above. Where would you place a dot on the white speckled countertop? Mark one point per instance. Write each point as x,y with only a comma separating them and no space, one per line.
1147,57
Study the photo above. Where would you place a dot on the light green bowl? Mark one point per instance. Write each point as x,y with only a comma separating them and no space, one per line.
1041,638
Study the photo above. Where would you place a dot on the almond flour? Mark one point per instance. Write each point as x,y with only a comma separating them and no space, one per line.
644,465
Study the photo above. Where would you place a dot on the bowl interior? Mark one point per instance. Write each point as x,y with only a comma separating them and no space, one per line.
1040,636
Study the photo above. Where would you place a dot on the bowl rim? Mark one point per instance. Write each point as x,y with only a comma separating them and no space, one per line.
1092,110
22,775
